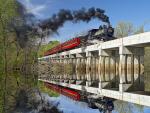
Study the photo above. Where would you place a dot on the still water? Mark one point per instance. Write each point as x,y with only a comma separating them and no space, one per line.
70,106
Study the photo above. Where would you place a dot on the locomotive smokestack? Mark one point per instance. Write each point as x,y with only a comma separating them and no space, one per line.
57,20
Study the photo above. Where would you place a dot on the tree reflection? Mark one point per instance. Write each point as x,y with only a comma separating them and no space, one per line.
125,107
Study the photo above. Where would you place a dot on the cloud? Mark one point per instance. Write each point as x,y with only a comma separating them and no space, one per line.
34,8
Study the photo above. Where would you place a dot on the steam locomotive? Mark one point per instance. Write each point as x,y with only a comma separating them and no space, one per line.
94,36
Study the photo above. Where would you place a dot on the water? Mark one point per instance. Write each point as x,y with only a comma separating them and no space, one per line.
70,106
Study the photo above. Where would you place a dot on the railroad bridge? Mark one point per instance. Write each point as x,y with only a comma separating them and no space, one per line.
113,69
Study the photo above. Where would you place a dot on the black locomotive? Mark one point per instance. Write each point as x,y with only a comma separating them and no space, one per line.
94,36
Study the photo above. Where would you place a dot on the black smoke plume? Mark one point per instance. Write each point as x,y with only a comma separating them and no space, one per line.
57,20
27,22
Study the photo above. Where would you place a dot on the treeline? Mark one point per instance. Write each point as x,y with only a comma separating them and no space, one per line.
18,55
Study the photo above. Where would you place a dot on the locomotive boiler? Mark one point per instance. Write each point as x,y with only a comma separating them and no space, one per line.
93,36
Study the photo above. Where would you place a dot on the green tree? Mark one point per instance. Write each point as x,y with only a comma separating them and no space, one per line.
17,49
7,12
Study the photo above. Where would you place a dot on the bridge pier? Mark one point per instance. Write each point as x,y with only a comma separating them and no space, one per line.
79,68
74,69
64,74
83,70
67,62
71,66
105,67
72,77
93,73
61,63
114,76
129,68
139,69
88,68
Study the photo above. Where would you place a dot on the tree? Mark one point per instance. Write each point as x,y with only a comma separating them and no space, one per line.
124,29
7,12
140,29
17,45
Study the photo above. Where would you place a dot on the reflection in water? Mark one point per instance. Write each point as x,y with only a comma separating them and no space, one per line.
70,106
125,107
15,93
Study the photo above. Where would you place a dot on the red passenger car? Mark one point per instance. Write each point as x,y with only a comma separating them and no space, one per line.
75,42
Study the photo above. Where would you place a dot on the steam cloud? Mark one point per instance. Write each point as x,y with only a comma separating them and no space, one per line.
57,20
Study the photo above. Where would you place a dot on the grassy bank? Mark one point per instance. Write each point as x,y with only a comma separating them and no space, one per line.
44,89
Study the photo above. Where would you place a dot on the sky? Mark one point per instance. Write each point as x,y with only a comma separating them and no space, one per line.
134,11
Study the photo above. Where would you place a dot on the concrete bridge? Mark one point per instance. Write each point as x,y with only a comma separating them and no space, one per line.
113,69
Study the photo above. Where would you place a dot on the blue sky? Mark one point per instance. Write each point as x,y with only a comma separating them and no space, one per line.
134,11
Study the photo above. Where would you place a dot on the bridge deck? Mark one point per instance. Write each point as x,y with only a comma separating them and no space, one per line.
139,40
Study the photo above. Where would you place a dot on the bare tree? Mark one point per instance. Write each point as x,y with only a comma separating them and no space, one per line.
124,29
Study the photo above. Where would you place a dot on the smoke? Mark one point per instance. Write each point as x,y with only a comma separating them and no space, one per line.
28,23
57,20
